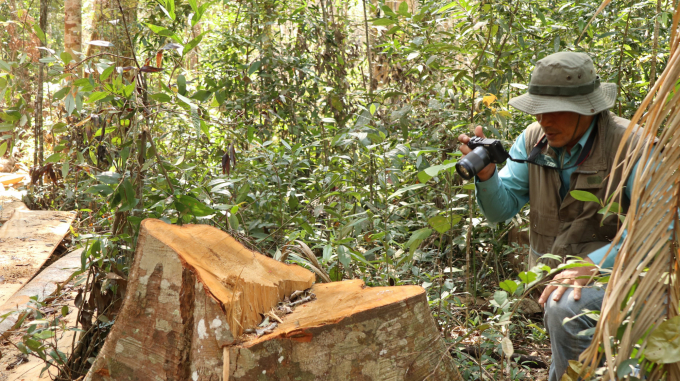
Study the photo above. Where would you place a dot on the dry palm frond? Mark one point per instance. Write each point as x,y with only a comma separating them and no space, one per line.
643,290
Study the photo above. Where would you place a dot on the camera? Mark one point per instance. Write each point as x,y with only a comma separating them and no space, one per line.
484,152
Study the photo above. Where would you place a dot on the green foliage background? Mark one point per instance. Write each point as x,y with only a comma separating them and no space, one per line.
346,148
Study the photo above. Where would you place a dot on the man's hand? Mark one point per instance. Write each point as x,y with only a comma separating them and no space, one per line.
489,170
569,277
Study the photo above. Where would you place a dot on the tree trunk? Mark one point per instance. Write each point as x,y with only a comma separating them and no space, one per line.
193,291
73,29
38,156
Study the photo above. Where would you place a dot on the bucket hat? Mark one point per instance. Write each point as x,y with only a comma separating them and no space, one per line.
565,81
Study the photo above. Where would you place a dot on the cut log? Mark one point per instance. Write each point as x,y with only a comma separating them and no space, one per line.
27,240
7,207
193,292
11,178
350,332
43,285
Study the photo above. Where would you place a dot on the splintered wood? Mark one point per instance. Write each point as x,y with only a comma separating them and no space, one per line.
193,291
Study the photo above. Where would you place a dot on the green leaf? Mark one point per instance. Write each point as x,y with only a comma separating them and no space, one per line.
96,96
440,224
61,93
584,196
625,368
44,334
39,32
509,285
417,238
500,297
65,57
3,149
101,189
193,43
388,11
343,255
54,158
70,104
527,276
382,22
181,84
428,173
446,7
255,66
159,30
161,97
106,73
192,4
406,189
58,128
5,66
194,206
403,9
663,344
187,101
33,344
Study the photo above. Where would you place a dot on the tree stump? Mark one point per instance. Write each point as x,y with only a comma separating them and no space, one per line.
194,290
350,332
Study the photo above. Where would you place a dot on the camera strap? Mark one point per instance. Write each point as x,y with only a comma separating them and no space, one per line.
535,156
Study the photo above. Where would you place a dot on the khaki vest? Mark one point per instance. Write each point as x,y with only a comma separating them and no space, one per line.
572,227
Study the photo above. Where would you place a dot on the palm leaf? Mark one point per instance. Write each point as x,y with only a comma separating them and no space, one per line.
644,289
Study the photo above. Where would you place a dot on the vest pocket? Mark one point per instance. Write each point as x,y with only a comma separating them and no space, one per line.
543,231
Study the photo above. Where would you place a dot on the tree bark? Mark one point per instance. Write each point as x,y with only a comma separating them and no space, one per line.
73,29
193,291
38,156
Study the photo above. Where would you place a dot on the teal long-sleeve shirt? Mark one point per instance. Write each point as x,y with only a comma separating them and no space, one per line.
503,195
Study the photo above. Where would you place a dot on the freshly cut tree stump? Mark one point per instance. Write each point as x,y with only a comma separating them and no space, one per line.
350,332
193,291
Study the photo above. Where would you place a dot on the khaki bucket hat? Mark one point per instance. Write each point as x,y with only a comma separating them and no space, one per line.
566,81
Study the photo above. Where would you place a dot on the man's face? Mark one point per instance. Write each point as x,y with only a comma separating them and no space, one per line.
559,128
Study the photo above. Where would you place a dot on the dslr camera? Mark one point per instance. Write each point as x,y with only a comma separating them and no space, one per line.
484,152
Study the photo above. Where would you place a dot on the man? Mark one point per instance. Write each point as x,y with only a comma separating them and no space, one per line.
577,138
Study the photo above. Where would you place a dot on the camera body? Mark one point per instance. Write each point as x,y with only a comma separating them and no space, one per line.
484,152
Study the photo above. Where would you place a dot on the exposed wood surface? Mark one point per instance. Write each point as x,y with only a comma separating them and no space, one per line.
191,290
7,207
28,239
350,332
43,285
245,281
7,290
11,178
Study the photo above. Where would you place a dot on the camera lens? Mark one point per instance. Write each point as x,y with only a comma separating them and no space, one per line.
472,163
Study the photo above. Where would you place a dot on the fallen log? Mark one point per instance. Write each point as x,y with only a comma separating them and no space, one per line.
43,285
27,241
194,292
46,285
